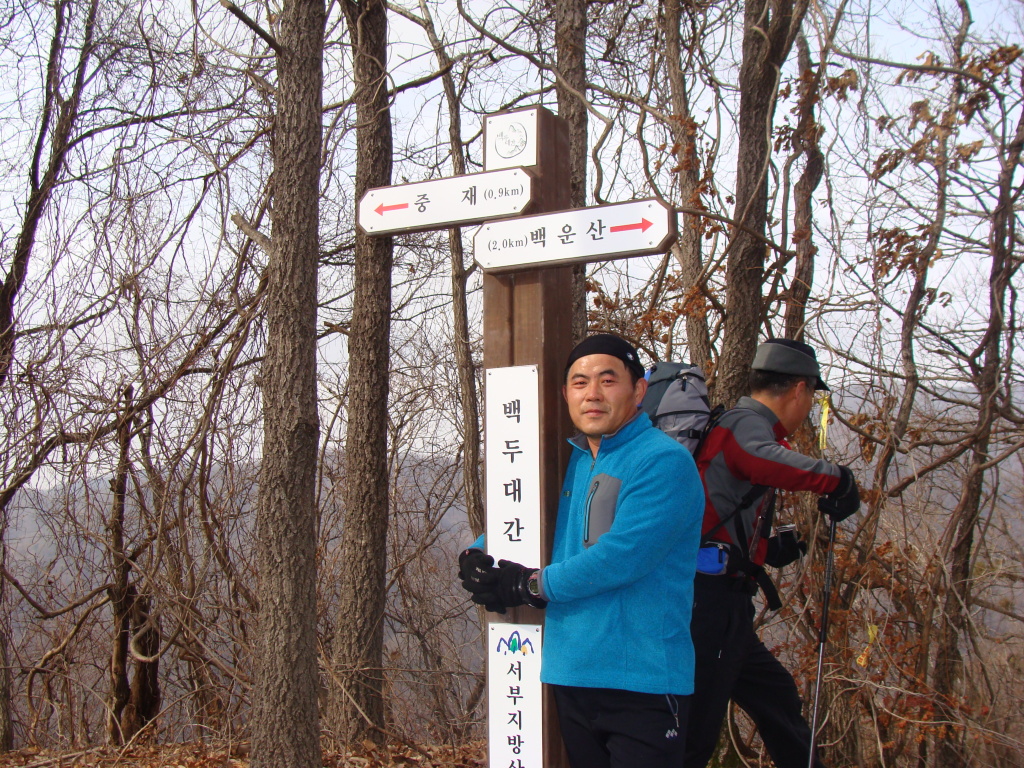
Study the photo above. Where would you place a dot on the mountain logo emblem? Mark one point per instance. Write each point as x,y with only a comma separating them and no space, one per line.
515,644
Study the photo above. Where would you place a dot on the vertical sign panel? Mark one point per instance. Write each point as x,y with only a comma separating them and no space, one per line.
512,450
515,710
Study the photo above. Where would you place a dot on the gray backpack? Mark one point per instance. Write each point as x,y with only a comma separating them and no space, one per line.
677,402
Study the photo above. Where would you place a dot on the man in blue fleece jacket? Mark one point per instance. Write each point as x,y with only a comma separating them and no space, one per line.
619,589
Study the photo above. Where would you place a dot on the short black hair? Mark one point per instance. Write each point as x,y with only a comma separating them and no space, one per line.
775,383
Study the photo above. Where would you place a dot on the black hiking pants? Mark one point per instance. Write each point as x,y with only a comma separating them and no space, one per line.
732,663
611,728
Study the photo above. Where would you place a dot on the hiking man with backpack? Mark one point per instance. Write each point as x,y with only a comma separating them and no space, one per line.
742,460
618,590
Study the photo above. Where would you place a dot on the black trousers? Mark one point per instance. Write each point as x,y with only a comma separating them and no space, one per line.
609,728
732,663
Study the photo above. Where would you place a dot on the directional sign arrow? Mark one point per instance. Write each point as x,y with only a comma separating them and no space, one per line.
446,202
642,226
382,209
603,232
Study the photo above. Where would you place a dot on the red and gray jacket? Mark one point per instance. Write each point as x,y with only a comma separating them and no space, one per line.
741,461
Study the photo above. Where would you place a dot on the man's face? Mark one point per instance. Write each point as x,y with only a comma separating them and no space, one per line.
601,395
795,406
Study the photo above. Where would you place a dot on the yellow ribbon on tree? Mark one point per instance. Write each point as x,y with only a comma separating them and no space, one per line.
823,425
872,637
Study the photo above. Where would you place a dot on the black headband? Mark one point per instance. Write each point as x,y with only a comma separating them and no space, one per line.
606,344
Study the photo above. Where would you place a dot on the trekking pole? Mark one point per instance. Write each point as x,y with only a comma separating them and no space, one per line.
822,635
823,629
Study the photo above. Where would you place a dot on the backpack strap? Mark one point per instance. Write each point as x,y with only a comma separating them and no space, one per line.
748,498
714,416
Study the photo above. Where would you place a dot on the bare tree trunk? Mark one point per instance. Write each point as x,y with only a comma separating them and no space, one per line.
6,720
949,666
58,118
805,140
120,593
571,88
60,112
143,703
358,710
472,482
770,27
286,727
210,709
6,713
899,420
687,250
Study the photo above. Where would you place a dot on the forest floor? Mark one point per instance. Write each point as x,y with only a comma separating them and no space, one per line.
366,755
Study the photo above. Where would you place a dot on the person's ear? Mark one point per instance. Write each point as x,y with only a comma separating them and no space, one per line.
640,390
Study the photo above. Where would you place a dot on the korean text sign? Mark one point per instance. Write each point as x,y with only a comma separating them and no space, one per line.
512,446
514,708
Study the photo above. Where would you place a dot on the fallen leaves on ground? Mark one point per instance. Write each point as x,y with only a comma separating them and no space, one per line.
201,755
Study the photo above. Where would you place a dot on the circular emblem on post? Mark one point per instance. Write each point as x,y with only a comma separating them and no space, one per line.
511,140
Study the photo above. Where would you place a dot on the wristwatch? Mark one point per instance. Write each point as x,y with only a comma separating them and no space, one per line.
533,584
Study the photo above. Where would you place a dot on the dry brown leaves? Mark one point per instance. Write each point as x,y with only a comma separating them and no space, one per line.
366,755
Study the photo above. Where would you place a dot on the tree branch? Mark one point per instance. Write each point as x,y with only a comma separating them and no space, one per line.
241,15
251,232
993,607
42,610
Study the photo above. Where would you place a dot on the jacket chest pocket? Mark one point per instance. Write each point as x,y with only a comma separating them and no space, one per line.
602,496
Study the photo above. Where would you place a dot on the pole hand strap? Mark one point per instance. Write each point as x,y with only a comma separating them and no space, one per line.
771,594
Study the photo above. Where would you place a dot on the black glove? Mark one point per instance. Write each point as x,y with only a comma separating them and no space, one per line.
477,571
844,500
784,548
489,600
514,585
480,579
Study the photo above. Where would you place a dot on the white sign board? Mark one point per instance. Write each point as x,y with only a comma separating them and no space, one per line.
515,712
510,139
445,202
613,231
512,450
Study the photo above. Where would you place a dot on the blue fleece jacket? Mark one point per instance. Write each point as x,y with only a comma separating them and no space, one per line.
619,610
620,582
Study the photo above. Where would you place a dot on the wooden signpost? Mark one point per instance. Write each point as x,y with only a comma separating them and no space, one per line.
527,338
528,322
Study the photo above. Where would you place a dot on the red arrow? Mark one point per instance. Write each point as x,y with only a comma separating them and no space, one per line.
382,209
642,226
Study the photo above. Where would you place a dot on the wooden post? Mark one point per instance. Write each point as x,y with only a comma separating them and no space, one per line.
528,321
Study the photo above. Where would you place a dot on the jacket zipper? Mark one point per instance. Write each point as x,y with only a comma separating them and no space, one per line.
586,516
